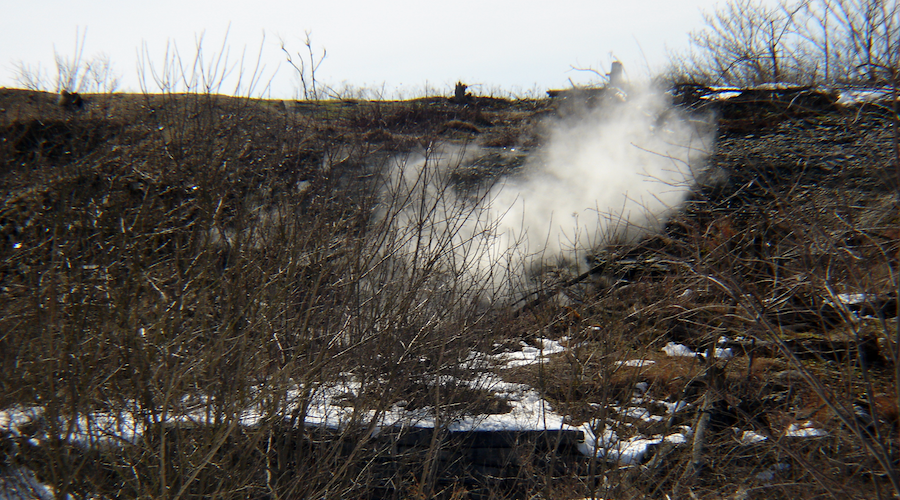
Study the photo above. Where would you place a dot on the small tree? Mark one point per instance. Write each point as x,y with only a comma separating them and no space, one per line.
859,39
306,70
746,42
74,74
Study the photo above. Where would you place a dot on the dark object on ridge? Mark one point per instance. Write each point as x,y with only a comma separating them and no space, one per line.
70,99
459,94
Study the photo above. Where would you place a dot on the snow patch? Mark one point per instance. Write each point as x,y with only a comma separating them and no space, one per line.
636,363
680,350
849,97
529,355
805,429
19,483
750,437
624,451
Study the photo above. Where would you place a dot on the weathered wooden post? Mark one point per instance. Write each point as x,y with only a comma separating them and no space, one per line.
460,96
616,74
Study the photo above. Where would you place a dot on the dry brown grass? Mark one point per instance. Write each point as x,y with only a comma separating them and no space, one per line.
157,248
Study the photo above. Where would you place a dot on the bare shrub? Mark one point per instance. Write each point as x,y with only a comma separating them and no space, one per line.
75,74
809,280
305,67
189,304
748,43
856,41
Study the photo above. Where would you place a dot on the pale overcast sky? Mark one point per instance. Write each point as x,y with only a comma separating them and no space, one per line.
493,45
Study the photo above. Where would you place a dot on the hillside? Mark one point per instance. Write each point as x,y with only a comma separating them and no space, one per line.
208,296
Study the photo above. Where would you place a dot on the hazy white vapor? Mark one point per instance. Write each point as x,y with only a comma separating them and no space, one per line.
608,174
612,174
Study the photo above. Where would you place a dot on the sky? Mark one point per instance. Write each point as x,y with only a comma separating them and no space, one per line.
397,48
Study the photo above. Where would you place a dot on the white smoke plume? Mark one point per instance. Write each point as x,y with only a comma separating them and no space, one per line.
607,174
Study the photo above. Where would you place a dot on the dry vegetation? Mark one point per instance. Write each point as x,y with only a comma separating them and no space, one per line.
184,275
168,254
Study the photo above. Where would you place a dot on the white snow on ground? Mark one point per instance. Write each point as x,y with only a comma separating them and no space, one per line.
849,97
750,437
805,429
725,353
722,93
681,350
674,407
529,412
624,451
329,406
854,299
639,413
12,418
636,363
107,429
678,350
846,97
19,483
529,355
851,299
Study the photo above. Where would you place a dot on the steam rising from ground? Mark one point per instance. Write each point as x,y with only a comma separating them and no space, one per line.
609,174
